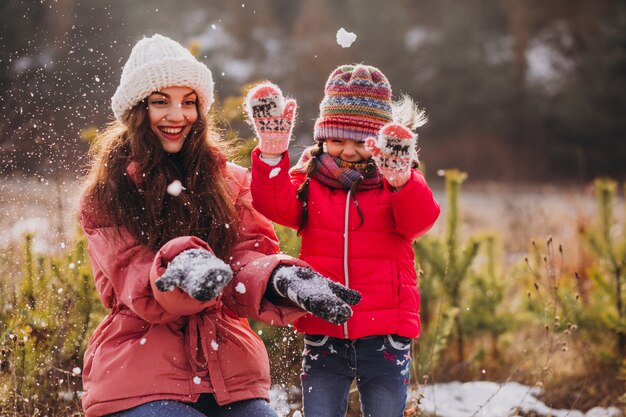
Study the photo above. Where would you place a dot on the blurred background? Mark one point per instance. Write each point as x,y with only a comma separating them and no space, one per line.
516,90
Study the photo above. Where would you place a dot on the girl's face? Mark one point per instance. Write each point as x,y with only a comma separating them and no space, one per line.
172,113
347,150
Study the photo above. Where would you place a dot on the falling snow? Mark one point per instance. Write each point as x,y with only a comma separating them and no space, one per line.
274,172
175,188
345,38
240,288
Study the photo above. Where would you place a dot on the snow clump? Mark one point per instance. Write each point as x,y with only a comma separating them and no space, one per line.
345,38
175,188
274,172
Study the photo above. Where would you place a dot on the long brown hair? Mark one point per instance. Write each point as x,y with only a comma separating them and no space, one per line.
142,206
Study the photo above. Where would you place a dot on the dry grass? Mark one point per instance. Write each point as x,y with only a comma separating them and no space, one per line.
572,378
45,206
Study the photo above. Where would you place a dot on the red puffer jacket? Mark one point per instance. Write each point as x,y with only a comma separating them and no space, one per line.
375,258
157,345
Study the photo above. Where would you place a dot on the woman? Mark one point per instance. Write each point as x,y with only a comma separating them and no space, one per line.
180,257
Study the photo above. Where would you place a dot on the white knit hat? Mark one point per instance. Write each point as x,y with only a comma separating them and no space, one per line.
159,62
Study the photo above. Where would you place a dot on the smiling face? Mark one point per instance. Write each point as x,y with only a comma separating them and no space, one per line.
172,113
347,150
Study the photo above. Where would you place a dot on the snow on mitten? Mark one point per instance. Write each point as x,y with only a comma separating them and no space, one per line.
198,272
314,293
271,117
393,152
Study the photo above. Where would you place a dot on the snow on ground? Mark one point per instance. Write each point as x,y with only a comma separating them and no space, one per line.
470,399
490,399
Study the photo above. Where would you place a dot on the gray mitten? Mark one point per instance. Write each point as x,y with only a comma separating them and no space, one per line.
314,293
198,272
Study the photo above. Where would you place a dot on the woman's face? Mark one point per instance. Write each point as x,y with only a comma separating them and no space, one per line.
347,150
172,113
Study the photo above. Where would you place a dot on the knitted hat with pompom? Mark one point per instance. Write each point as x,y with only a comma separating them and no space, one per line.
356,104
159,62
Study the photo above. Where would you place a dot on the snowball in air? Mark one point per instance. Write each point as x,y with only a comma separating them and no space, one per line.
345,38
240,288
274,172
175,188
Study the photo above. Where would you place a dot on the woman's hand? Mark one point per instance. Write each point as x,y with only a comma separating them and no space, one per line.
271,117
198,272
314,293
394,152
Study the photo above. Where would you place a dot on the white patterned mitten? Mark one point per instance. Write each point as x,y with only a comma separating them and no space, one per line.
271,116
393,152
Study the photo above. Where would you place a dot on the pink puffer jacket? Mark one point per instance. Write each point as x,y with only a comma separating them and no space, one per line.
375,258
157,345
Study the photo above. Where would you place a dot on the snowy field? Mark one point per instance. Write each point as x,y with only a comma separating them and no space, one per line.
515,214
472,399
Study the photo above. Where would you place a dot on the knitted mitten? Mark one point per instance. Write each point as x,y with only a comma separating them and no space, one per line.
198,272
271,117
314,293
393,152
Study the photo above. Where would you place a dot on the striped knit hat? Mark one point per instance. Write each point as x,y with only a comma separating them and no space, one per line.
356,104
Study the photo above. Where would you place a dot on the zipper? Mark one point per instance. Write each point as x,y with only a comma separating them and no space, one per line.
345,255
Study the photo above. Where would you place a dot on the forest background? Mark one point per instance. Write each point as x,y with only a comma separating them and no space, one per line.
515,89
522,277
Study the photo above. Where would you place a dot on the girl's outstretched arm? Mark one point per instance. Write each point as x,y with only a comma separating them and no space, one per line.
274,191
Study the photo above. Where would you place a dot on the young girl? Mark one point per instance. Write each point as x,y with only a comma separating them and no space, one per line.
180,257
357,204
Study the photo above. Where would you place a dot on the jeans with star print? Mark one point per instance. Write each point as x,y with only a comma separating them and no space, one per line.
380,365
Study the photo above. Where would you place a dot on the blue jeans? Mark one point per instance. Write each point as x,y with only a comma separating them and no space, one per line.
380,365
206,406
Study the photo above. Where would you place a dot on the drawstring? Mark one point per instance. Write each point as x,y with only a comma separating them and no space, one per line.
201,331
191,343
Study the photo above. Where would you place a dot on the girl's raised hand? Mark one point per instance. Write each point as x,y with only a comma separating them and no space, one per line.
198,272
271,116
393,152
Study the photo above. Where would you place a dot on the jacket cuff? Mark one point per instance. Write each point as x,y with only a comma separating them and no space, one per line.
176,301
247,298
